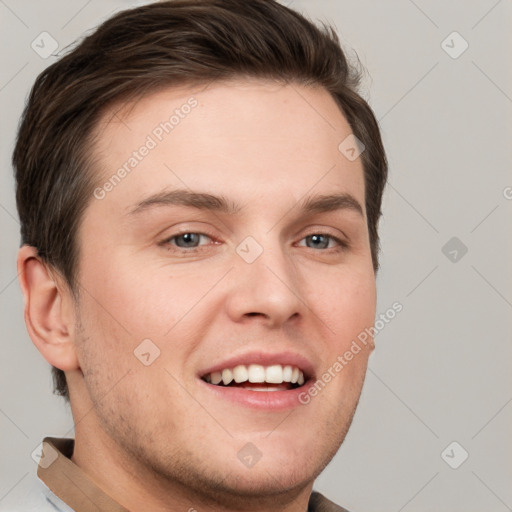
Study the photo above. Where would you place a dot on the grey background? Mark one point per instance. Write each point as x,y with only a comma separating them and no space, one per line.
442,368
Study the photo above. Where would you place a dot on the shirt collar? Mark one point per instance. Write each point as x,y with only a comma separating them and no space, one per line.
67,481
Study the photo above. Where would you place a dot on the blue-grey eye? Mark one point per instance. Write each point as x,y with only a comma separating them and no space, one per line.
187,239
319,241
322,241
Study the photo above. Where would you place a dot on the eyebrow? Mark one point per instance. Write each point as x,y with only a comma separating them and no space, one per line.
331,202
199,200
204,201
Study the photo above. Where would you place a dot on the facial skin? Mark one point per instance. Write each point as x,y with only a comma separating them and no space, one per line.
163,438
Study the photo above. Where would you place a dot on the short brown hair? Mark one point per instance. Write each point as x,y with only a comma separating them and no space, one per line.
166,44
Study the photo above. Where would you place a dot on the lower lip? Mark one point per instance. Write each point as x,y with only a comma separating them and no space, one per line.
263,400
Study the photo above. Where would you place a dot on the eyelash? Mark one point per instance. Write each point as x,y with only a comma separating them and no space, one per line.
342,244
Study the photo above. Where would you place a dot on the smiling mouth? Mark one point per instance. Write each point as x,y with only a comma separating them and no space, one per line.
255,377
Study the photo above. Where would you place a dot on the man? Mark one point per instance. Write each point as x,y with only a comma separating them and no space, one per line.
199,187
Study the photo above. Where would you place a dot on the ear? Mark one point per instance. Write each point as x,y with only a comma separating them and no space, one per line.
49,310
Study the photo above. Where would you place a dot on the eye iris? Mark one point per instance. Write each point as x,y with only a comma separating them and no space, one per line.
190,239
318,238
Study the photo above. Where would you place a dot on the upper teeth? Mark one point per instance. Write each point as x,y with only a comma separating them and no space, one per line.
274,374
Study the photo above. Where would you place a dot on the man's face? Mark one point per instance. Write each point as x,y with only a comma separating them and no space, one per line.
213,289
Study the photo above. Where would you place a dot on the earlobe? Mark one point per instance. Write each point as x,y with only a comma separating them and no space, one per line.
49,311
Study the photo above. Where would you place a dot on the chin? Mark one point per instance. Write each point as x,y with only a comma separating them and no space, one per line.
279,469
269,479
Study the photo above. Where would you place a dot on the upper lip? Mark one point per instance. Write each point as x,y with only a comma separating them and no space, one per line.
264,359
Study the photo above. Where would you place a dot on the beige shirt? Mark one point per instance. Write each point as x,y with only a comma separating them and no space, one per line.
69,488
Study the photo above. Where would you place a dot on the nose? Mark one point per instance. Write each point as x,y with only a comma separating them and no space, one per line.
267,288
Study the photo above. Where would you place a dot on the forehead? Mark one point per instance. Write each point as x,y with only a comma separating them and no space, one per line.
257,139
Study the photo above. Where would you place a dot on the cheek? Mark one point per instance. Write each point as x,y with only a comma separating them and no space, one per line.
134,296
348,311
155,301
347,304
126,307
